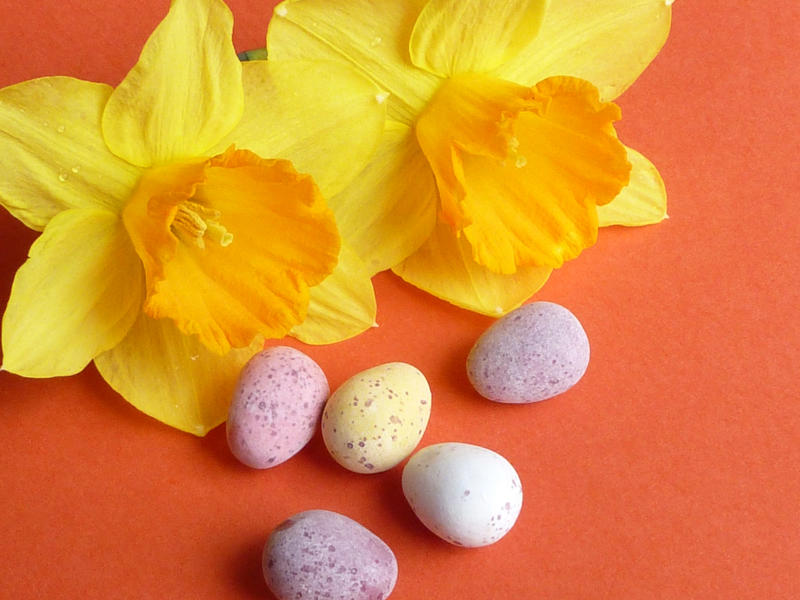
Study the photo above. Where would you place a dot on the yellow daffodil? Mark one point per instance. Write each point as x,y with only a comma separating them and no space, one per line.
176,233
500,159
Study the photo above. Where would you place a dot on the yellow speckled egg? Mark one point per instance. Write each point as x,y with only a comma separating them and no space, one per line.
376,418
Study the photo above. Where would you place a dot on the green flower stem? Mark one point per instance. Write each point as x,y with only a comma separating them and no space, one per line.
257,54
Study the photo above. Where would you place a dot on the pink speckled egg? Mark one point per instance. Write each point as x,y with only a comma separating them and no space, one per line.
322,554
467,495
276,407
533,353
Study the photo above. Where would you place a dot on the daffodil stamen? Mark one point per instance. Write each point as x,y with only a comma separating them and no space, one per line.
189,225
193,223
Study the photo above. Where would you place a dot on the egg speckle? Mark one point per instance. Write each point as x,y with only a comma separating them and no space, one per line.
276,407
467,495
375,419
323,554
535,352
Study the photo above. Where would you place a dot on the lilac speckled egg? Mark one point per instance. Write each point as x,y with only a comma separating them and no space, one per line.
322,554
533,353
467,495
276,407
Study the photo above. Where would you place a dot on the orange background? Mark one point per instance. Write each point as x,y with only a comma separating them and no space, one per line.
670,471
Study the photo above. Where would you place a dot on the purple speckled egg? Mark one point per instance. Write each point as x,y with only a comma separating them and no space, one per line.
322,554
276,407
533,353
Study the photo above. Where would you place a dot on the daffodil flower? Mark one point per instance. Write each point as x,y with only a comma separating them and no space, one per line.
500,158
176,233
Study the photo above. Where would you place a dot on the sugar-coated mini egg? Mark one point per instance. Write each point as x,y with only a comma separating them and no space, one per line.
276,406
467,495
323,554
533,353
375,419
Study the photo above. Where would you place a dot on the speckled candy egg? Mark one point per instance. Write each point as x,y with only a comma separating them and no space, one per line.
322,554
276,407
467,495
377,417
533,353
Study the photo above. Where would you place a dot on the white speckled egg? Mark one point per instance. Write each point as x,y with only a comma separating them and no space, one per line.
276,407
375,419
467,495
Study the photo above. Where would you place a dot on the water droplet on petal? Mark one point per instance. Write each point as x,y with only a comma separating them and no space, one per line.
376,41
60,129
381,97
281,11
76,169
520,162
62,176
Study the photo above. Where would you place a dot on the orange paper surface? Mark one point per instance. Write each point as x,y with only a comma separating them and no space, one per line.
670,471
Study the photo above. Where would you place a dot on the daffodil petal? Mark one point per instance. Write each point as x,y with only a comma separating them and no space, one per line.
607,42
185,92
462,36
172,377
52,152
230,247
444,267
342,306
389,210
287,117
372,35
76,296
642,202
